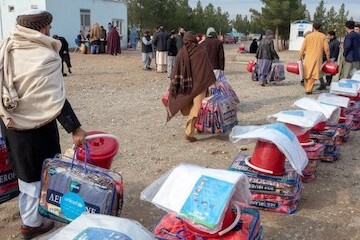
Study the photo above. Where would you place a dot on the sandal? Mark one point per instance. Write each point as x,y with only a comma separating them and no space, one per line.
190,139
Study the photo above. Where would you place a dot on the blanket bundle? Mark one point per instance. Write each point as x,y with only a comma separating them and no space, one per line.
330,139
271,193
315,154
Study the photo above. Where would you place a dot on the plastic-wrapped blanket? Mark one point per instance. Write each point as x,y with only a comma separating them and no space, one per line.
249,227
217,114
70,188
8,181
277,73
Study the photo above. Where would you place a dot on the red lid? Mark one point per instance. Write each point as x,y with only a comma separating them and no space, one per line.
100,147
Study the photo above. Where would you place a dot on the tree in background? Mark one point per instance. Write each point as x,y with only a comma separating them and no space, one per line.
331,20
277,16
341,19
319,15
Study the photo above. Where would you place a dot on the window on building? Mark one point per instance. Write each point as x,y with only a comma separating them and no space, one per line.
85,21
34,6
300,33
119,25
11,8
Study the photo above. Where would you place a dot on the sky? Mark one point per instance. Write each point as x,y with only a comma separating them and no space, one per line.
234,7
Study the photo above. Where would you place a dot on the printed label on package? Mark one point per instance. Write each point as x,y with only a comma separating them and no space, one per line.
205,205
72,205
262,187
7,176
264,204
91,233
55,198
345,84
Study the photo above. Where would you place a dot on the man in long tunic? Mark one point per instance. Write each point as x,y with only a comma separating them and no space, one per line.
313,47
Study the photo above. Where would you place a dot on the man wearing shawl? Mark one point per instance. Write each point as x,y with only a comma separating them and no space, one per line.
114,42
313,47
190,79
33,98
215,50
95,35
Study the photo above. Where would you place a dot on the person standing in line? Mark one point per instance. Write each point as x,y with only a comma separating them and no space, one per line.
179,37
103,41
265,55
191,77
146,49
253,46
334,46
172,51
160,40
33,98
357,28
95,34
64,54
114,42
351,51
314,46
215,50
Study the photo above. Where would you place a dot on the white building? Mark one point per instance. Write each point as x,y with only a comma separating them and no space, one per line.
297,30
69,16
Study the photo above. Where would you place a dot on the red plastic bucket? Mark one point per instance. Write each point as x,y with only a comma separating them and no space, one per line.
241,48
304,138
267,158
330,68
293,67
102,150
319,127
250,66
229,218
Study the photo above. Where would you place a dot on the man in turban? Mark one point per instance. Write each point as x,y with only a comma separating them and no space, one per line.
33,98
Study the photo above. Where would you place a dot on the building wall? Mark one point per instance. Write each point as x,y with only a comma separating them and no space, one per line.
66,15
8,18
296,40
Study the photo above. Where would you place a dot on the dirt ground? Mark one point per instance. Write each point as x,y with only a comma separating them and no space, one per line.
113,94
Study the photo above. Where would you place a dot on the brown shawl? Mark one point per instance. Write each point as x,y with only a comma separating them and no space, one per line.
192,74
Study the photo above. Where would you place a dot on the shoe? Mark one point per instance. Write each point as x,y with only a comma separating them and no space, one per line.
309,93
70,71
190,139
263,84
64,74
321,87
199,131
149,68
28,233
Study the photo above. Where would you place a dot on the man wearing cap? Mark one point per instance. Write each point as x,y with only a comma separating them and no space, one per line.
313,48
215,49
33,98
160,41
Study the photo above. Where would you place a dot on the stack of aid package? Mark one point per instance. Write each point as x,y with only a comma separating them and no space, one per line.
8,181
350,88
335,133
195,209
275,184
320,133
218,111
300,122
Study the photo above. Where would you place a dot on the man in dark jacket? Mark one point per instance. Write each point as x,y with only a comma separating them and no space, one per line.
215,49
160,41
64,54
172,51
179,38
351,50
334,46
265,54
